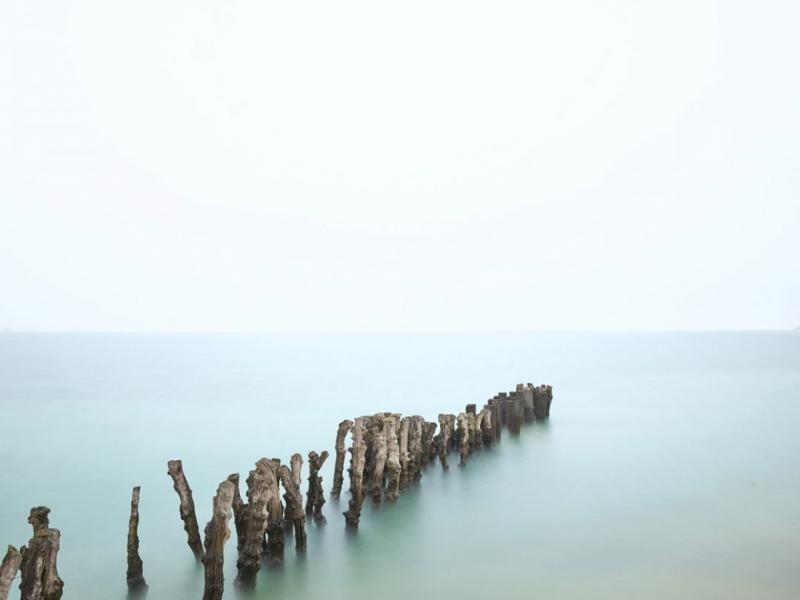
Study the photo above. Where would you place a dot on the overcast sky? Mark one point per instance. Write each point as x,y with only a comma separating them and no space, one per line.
424,165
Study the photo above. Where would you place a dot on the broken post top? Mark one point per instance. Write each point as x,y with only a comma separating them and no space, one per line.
39,519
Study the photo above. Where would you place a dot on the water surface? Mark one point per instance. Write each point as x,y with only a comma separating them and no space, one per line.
669,468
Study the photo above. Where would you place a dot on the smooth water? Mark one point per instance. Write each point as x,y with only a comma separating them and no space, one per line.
670,467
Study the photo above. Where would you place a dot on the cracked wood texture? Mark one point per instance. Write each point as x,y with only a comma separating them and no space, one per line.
357,459
294,501
275,526
40,580
379,441
252,523
188,516
239,517
8,570
445,433
393,467
217,533
135,575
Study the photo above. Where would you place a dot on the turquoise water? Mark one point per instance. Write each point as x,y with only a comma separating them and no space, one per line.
670,467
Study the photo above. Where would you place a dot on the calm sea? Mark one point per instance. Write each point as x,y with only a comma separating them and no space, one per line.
670,467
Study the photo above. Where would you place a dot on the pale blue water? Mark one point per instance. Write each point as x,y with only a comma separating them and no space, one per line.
670,467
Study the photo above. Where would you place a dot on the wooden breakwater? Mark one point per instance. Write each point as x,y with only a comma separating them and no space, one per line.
388,454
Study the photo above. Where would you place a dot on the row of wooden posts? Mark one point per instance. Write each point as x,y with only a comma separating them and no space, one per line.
388,454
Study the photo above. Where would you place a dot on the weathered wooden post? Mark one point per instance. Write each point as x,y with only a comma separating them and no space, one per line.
393,467
471,409
338,468
428,447
377,428
188,516
463,437
357,454
527,399
135,576
296,463
315,496
294,501
275,527
445,433
484,426
239,513
475,437
514,408
415,434
494,407
252,523
8,570
540,402
217,533
39,573
405,455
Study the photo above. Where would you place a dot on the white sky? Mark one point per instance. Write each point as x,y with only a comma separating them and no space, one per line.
425,165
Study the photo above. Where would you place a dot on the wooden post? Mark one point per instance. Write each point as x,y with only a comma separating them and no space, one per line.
405,455
484,426
294,501
514,405
217,533
251,523
471,409
540,402
338,468
239,513
188,516
315,496
527,397
494,407
428,447
8,570
415,433
377,428
39,574
296,463
357,453
135,576
275,527
393,466
463,438
445,433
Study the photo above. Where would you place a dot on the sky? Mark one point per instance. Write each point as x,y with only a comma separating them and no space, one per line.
425,165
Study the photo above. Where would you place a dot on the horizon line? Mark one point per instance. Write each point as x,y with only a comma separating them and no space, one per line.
10,330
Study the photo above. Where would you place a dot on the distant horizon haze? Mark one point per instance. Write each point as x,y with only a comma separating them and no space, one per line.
435,166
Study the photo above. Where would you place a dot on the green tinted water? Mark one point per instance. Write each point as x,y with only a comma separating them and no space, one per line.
669,468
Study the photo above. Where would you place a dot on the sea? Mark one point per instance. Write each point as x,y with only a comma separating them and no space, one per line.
669,468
